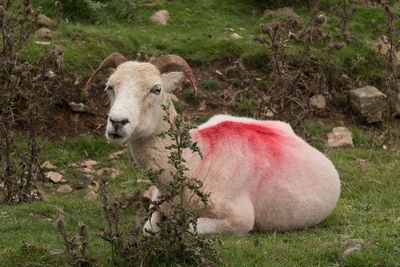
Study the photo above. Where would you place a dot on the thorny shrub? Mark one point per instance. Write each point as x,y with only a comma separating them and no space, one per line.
294,78
177,242
76,246
391,77
180,205
124,216
23,91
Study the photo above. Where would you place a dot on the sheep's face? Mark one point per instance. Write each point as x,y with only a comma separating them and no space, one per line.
137,92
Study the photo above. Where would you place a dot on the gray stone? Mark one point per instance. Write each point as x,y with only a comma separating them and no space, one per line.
318,102
42,43
160,17
340,137
352,245
382,46
78,107
48,165
369,102
64,189
235,36
44,20
91,195
55,177
289,17
43,33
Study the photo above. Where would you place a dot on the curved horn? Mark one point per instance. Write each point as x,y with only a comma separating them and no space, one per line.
174,62
112,61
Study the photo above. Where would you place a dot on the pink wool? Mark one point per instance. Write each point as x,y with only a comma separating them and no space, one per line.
278,180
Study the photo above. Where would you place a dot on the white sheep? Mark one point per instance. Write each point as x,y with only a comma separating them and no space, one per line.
260,174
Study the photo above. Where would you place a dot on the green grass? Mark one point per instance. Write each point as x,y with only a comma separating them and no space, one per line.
196,31
367,209
315,132
211,85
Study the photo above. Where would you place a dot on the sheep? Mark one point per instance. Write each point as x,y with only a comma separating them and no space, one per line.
260,174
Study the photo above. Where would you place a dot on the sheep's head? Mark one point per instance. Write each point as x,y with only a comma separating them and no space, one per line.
137,91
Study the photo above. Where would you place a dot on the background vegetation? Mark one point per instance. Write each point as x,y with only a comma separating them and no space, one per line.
237,76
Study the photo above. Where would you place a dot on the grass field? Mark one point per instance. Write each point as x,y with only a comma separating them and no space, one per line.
198,32
368,209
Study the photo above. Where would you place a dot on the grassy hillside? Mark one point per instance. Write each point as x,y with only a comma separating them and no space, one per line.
199,31
367,210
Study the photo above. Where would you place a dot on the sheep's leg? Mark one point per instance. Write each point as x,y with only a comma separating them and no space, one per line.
238,217
151,225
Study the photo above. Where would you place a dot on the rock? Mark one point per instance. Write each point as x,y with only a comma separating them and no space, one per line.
320,18
202,106
362,162
160,17
109,172
50,74
89,163
289,17
85,170
57,55
93,186
91,195
382,46
48,166
352,245
235,36
219,73
43,33
396,113
55,177
334,46
42,43
73,165
116,155
78,107
44,20
369,102
318,102
64,189
269,114
340,137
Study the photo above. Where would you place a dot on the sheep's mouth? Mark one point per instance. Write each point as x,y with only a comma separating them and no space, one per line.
115,135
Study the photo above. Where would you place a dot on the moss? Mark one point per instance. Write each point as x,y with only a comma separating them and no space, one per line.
211,85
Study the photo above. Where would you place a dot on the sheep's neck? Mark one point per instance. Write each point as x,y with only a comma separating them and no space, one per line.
150,152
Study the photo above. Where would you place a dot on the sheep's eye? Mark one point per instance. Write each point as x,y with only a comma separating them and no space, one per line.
156,89
109,88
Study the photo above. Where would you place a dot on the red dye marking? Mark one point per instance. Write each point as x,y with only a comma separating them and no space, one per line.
261,145
262,142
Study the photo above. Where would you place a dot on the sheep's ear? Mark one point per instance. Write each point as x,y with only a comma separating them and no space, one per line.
171,79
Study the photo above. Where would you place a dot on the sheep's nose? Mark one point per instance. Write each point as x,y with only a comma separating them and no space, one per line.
118,123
